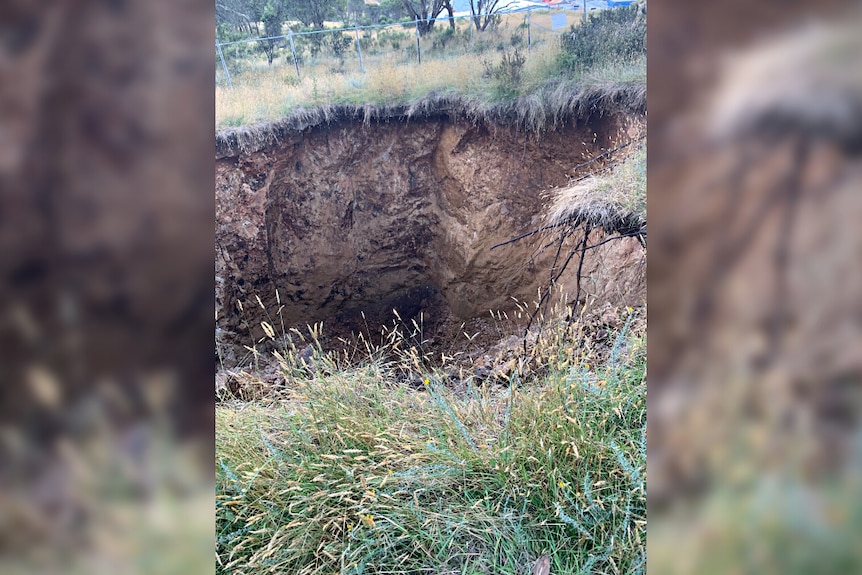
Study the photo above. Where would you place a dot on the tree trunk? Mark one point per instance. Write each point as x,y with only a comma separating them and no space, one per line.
425,26
427,16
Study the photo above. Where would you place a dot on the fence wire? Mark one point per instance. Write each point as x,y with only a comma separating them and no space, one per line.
352,49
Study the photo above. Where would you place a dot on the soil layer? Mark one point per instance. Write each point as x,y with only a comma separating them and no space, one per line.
346,222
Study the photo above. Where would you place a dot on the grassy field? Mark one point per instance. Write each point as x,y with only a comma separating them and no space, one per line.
451,63
353,469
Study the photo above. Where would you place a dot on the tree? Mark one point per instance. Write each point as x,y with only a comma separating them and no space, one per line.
354,11
451,14
273,17
246,16
426,12
315,12
389,11
483,12
241,15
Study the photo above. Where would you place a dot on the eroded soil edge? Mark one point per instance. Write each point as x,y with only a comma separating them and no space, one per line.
351,220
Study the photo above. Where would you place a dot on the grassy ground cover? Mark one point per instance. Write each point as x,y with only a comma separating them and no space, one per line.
351,469
495,66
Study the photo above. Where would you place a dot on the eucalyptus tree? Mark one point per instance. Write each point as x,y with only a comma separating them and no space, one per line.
242,16
484,12
315,12
425,12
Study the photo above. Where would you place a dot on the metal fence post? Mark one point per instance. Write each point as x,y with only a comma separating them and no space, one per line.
529,41
293,51
418,48
223,65
358,47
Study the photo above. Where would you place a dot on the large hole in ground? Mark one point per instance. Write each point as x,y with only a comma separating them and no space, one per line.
344,223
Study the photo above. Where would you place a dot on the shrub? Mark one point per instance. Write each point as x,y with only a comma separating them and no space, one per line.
311,42
395,39
516,39
339,43
442,38
508,74
605,36
481,45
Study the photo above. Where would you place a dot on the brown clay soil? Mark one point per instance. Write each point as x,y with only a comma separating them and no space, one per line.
348,221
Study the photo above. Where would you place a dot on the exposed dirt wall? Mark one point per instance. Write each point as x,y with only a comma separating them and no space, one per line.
354,217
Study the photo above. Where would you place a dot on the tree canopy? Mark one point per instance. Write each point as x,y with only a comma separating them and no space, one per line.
258,17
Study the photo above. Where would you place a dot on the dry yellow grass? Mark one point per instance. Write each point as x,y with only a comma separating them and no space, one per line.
271,92
264,92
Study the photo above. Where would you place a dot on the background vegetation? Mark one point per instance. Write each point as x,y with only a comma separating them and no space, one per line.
498,64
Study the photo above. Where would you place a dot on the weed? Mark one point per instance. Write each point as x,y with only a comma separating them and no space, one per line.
233,121
442,38
507,75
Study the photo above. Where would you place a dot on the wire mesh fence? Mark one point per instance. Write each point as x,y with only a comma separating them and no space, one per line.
354,50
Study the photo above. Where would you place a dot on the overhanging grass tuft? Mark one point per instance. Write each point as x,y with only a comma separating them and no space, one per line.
614,201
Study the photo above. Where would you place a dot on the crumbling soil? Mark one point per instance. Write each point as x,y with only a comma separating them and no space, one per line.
345,222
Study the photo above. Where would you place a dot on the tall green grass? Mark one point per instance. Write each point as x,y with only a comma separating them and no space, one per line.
351,469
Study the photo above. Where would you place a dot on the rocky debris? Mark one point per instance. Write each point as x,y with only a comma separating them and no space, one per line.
500,361
253,382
